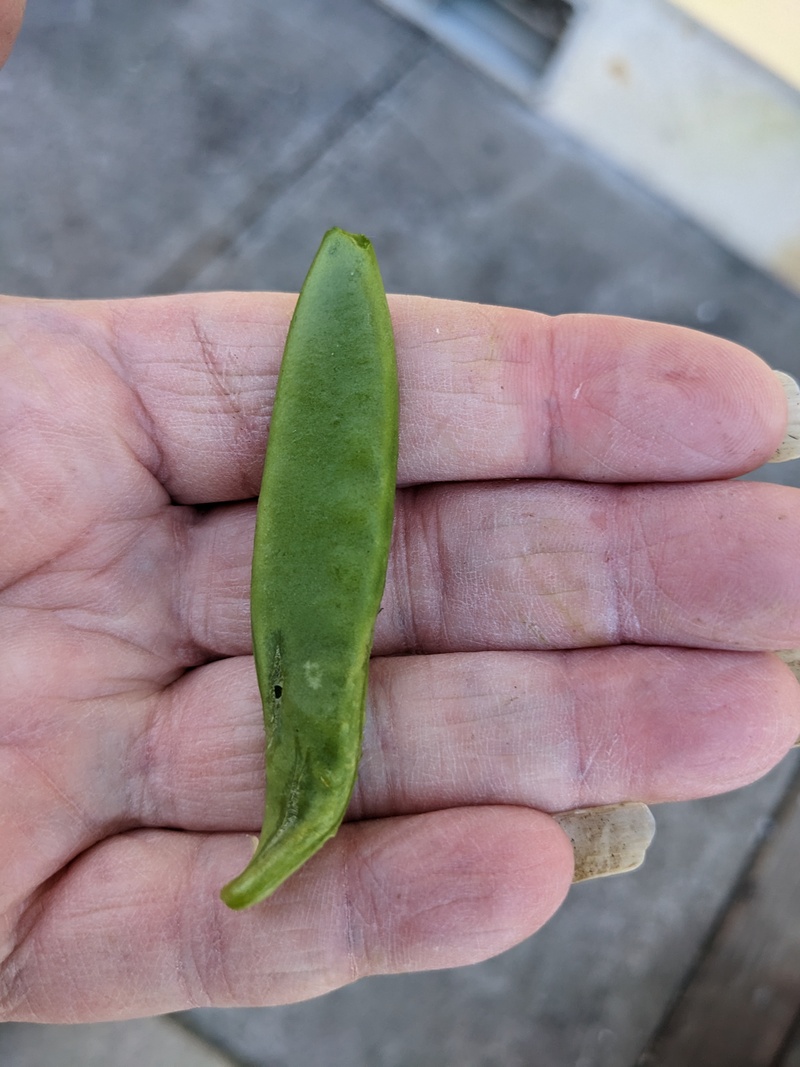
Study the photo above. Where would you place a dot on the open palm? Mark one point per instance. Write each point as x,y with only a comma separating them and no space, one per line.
577,612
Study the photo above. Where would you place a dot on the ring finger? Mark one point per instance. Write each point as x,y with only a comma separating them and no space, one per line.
541,565
547,730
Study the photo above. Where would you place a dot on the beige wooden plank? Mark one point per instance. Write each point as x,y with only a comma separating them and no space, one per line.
767,30
742,1002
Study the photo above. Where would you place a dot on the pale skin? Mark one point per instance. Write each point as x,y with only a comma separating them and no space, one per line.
577,640
11,12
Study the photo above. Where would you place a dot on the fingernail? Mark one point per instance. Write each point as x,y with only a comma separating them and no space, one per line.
791,657
789,447
607,840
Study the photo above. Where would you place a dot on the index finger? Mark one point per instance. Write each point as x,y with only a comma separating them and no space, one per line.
485,392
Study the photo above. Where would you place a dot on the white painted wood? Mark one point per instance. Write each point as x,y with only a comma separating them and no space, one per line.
691,118
767,30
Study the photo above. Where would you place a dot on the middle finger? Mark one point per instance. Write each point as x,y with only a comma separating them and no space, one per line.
548,565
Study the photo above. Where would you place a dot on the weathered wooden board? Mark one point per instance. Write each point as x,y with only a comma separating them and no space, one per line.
740,1005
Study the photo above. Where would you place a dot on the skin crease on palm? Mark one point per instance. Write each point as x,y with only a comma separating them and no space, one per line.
578,610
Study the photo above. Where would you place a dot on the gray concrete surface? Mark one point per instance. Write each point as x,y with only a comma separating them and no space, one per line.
186,144
154,1042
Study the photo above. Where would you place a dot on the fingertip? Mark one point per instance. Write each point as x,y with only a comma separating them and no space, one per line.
460,886
771,717
662,402
743,723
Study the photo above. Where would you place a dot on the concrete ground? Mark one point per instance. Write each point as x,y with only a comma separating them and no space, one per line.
175,145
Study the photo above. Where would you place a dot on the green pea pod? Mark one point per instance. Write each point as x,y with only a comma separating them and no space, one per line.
323,530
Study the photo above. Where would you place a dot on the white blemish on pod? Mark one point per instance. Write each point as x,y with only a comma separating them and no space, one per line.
313,673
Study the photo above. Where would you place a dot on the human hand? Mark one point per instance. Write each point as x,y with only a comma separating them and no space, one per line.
11,12
576,614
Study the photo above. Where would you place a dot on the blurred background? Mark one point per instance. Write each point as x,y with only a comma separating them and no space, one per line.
599,156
